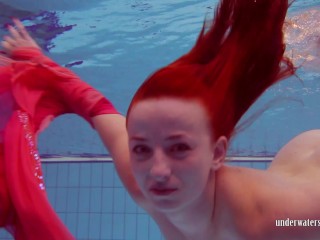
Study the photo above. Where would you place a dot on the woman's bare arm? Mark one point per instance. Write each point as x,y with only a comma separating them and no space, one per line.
113,132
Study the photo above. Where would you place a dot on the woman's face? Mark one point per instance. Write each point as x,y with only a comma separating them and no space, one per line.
172,153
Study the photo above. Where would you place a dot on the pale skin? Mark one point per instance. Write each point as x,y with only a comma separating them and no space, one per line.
175,169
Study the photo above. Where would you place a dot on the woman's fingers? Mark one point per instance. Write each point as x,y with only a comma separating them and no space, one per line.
14,33
18,37
18,31
6,45
21,29
9,40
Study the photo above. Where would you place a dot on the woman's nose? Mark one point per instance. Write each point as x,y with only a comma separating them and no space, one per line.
160,169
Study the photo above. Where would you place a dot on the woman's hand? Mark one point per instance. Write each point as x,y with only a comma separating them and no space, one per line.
18,37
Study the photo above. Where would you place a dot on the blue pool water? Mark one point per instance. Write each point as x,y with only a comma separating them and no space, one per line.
114,45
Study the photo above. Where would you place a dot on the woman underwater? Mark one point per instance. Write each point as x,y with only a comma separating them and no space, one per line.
171,148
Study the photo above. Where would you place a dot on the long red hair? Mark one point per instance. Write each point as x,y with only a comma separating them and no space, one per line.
235,59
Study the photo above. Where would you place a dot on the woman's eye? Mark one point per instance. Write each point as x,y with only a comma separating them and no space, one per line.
180,147
141,149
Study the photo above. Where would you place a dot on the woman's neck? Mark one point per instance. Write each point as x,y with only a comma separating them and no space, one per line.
195,220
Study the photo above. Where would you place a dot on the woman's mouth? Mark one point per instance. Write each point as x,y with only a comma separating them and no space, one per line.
162,191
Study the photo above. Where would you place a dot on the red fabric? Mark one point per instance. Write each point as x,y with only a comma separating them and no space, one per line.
5,203
32,218
65,92
24,207
34,90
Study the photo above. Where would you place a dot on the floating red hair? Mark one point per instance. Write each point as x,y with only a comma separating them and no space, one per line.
233,62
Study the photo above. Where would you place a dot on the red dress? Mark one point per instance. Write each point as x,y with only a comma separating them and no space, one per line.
27,104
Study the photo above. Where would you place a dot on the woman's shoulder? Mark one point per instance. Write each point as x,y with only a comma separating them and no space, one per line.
255,199
267,190
242,188
299,159
239,194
